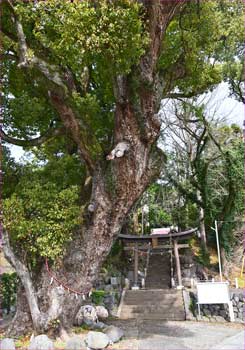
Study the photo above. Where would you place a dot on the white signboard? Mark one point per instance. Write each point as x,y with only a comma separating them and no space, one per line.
160,231
213,293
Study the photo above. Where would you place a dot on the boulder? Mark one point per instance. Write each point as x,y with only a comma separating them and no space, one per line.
241,297
99,325
219,319
94,325
240,315
7,344
102,312
41,342
97,340
86,314
75,343
222,313
114,333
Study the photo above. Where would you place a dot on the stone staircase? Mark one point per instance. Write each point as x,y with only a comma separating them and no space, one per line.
158,272
155,304
157,301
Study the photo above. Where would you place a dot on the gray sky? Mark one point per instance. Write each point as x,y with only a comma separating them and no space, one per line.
225,106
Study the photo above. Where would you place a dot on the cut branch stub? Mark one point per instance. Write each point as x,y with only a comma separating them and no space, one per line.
118,151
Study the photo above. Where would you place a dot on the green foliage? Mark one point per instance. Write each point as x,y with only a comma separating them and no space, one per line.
226,185
115,262
41,219
9,283
12,171
98,297
204,36
203,257
110,35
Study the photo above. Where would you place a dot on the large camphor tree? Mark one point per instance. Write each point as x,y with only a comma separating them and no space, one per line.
83,80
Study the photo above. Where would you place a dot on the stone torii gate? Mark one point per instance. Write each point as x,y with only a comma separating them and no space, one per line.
145,242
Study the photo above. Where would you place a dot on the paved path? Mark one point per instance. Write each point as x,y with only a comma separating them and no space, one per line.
160,335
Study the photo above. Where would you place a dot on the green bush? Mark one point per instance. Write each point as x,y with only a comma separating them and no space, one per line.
203,258
98,297
9,283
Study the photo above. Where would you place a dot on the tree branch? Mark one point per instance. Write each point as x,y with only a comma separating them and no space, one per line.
57,96
33,142
184,191
27,57
25,278
71,123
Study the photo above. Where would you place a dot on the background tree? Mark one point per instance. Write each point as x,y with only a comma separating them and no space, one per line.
82,84
205,167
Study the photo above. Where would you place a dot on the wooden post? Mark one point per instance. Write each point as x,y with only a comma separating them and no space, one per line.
136,263
154,242
177,260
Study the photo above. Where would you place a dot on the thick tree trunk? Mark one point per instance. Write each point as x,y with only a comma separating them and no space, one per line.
116,186
22,321
117,183
202,221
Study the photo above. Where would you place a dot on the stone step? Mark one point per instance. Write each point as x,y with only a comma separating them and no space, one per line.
167,300
180,316
148,302
152,307
153,304
162,285
160,281
152,279
154,292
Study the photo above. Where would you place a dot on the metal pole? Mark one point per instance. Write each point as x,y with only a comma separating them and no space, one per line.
218,251
142,228
136,264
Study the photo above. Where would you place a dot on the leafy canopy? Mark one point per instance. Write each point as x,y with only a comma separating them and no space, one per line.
41,219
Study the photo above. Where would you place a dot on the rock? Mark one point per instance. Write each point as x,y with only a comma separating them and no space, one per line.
89,323
186,282
219,319
75,343
109,288
7,344
222,313
114,333
97,340
86,314
41,342
207,312
99,325
102,312
202,318
241,297
238,320
187,273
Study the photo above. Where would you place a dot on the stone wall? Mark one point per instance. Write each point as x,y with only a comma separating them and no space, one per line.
214,312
